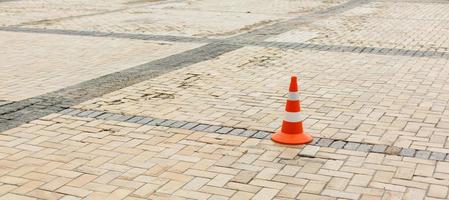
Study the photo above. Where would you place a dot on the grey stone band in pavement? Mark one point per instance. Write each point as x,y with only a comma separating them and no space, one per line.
322,142
19,112
356,49
241,42
133,36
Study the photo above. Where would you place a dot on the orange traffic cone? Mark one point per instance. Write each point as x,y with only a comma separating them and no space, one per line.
292,131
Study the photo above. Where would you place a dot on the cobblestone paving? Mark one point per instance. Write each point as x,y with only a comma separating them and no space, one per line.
72,60
94,159
418,26
209,18
39,11
178,99
361,98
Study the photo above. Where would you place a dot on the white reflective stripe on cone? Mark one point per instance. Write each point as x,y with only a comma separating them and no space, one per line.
293,117
293,96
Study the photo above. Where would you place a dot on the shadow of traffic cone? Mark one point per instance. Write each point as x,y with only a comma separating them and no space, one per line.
292,131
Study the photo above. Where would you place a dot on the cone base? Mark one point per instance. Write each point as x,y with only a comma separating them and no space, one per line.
285,138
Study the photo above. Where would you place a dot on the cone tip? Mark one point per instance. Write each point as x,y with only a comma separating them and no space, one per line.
293,84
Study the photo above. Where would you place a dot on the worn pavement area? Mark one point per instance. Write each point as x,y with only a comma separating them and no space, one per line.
177,99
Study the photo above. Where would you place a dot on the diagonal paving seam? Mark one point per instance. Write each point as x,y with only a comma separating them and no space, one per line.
317,141
20,112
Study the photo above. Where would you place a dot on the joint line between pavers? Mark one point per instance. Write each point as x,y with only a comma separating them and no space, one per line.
252,133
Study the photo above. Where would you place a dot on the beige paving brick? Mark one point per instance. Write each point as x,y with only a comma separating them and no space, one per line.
55,183
438,191
217,191
42,194
314,187
413,193
27,187
266,193
220,180
82,180
313,196
424,170
339,194
171,187
239,195
269,184
404,173
360,180
192,194
15,196
79,192
146,190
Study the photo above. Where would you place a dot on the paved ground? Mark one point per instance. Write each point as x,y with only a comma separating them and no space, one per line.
147,99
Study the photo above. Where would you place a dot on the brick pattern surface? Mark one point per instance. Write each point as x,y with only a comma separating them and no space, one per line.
41,11
80,157
374,90
389,24
317,141
54,62
208,18
353,97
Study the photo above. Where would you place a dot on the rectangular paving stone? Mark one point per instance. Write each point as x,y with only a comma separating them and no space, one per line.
379,148
437,156
156,122
95,114
135,119
248,133
407,152
190,125
85,113
200,127
66,111
309,151
261,134
351,146
237,131
145,120
178,124
364,147
423,154
118,117
212,129
223,130
324,142
74,112
104,116
338,144
167,123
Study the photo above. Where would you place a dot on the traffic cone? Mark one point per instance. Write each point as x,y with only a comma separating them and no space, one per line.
292,131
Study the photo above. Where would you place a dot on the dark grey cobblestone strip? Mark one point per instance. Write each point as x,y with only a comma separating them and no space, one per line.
19,112
354,49
134,36
245,42
281,45
322,142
